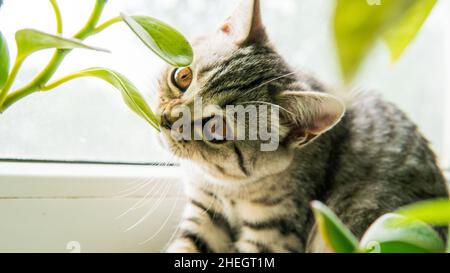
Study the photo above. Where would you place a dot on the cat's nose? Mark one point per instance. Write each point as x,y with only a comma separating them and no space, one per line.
166,121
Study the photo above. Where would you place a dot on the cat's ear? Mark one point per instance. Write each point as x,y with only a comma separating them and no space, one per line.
307,115
245,24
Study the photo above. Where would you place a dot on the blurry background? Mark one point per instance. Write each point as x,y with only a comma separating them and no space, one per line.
86,120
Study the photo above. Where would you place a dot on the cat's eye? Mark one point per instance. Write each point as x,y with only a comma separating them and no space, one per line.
182,78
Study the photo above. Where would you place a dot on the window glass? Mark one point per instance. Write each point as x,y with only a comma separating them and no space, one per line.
87,120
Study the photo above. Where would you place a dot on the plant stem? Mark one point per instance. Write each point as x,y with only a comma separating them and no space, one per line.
87,30
106,24
152,121
38,82
59,25
12,76
58,82
42,78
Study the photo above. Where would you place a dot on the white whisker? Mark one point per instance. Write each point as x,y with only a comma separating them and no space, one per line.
136,189
154,208
142,200
165,221
268,103
272,80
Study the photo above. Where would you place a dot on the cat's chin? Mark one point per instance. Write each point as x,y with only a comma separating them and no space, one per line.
171,147
219,178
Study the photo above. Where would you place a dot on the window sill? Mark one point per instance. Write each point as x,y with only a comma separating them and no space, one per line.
51,180
100,208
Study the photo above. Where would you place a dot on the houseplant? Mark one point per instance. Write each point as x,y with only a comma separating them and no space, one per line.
163,40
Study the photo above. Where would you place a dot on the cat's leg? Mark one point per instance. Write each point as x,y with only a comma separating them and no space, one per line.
271,226
204,228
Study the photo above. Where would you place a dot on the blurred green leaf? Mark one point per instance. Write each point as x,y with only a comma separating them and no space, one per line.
399,35
129,92
333,231
433,212
389,234
4,60
448,241
358,25
30,40
165,41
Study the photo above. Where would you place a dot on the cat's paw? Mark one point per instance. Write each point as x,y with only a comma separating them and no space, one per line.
182,246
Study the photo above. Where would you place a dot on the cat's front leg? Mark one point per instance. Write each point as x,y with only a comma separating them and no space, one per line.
270,227
268,238
204,229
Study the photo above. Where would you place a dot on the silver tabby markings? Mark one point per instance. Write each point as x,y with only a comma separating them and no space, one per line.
363,158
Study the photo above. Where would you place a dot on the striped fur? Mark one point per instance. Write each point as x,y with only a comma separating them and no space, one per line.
364,164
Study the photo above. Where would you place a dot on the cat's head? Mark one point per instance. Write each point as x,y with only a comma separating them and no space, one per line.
237,66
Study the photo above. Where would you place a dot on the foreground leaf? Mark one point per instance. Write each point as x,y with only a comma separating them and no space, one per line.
30,40
389,235
448,241
129,92
332,230
433,212
358,25
165,41
400,34
4,60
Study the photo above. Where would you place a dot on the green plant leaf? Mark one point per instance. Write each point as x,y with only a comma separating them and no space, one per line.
448,240
400,34
165,41
390,234
129,92
434,212
30,40
358,25
4,60
332,230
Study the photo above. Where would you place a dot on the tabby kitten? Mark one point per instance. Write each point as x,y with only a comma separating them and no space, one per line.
362,163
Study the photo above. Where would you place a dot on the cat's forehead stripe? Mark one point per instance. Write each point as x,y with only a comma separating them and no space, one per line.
245,70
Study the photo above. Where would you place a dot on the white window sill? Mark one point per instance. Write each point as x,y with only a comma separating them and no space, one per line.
44,207
45,180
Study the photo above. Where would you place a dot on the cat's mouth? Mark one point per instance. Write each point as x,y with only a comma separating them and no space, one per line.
213,129
215,133
170,145
217,141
